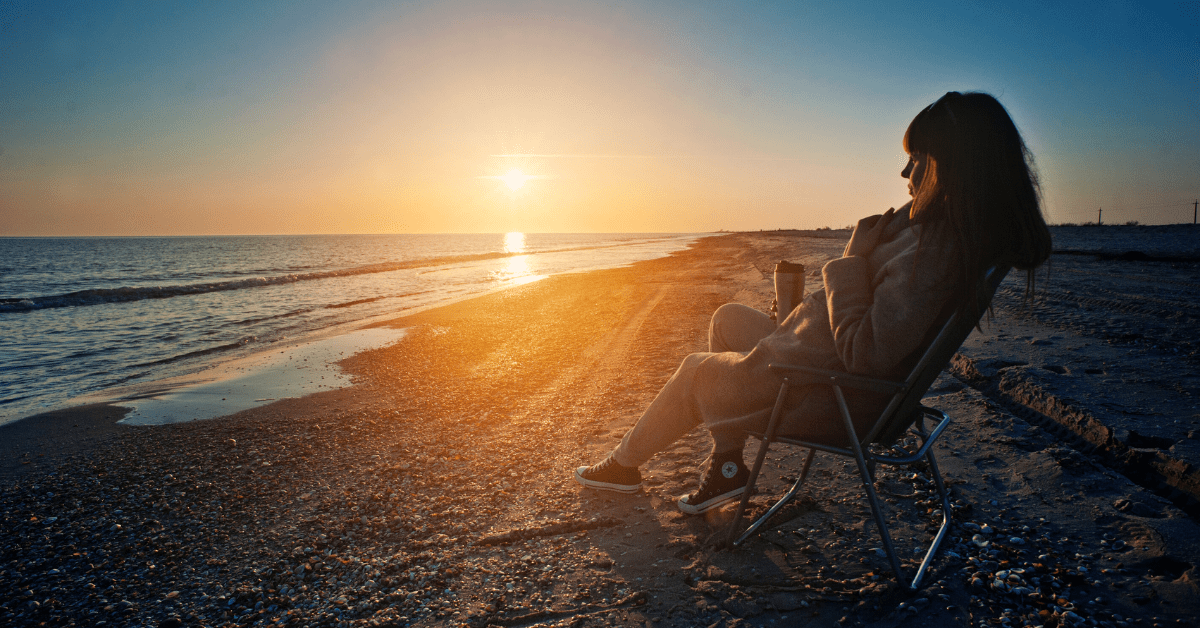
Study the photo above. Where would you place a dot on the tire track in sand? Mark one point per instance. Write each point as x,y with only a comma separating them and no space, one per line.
551,427
598,366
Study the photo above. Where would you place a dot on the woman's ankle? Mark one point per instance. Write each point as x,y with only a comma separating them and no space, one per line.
620,460
734,455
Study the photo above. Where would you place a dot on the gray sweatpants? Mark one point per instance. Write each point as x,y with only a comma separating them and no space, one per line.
673,412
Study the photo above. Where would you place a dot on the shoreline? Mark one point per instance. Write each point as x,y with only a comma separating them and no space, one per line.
436,490
128,362
44,436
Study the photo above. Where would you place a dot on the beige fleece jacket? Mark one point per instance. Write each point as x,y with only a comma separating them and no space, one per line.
871,315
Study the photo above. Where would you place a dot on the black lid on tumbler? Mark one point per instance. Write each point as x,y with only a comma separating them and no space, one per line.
788,267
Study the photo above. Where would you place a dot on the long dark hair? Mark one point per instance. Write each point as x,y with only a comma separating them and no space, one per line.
980,189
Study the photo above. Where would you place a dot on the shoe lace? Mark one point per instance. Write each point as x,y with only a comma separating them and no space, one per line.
712,476
604,465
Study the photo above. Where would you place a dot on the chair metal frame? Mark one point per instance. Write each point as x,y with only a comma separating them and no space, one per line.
903,412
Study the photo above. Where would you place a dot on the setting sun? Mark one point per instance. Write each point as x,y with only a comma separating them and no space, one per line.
515,179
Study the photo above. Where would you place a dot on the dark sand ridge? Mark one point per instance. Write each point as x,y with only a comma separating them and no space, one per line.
1108,354
438,490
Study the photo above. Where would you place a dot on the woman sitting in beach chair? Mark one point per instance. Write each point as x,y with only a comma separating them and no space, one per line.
974,205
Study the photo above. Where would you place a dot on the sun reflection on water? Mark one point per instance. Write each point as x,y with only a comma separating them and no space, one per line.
514,242
517,266
518,270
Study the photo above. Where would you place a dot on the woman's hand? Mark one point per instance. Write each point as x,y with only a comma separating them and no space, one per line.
866,234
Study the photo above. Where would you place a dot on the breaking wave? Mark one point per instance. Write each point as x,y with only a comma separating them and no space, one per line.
101,296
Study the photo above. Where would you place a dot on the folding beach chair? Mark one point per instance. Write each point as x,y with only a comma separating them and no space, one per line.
903,411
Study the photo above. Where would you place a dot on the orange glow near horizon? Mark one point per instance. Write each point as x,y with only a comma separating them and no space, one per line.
553,133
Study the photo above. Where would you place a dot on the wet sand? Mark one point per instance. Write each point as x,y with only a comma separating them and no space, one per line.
437,489
40,443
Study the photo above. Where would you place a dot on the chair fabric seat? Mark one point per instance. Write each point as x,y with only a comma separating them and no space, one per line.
815,415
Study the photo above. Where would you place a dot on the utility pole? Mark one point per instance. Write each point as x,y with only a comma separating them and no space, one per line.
1194,204
1099,215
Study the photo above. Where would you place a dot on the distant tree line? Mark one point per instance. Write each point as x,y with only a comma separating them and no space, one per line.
1090,223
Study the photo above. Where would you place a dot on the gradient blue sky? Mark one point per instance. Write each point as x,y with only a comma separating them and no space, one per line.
139,118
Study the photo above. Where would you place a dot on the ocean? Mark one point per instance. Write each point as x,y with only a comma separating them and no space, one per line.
79,316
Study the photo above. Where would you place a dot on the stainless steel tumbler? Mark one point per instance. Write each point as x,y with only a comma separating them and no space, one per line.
789,288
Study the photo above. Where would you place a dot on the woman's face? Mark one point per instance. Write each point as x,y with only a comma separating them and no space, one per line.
914,172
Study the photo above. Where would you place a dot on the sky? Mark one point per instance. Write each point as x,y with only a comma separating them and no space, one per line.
198,118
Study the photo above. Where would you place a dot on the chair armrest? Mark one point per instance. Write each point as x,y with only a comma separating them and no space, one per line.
801,375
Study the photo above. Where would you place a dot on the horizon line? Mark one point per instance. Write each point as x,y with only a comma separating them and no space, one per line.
636,156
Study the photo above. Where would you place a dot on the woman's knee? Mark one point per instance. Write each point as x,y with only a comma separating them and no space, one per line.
736,327
692,361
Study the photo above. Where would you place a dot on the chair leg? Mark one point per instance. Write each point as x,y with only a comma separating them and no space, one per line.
783,501
769,436
945,527
868,484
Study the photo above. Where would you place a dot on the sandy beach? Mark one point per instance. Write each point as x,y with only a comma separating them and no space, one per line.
437,491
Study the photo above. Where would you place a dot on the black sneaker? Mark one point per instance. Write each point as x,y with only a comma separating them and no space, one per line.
725,481
610,476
